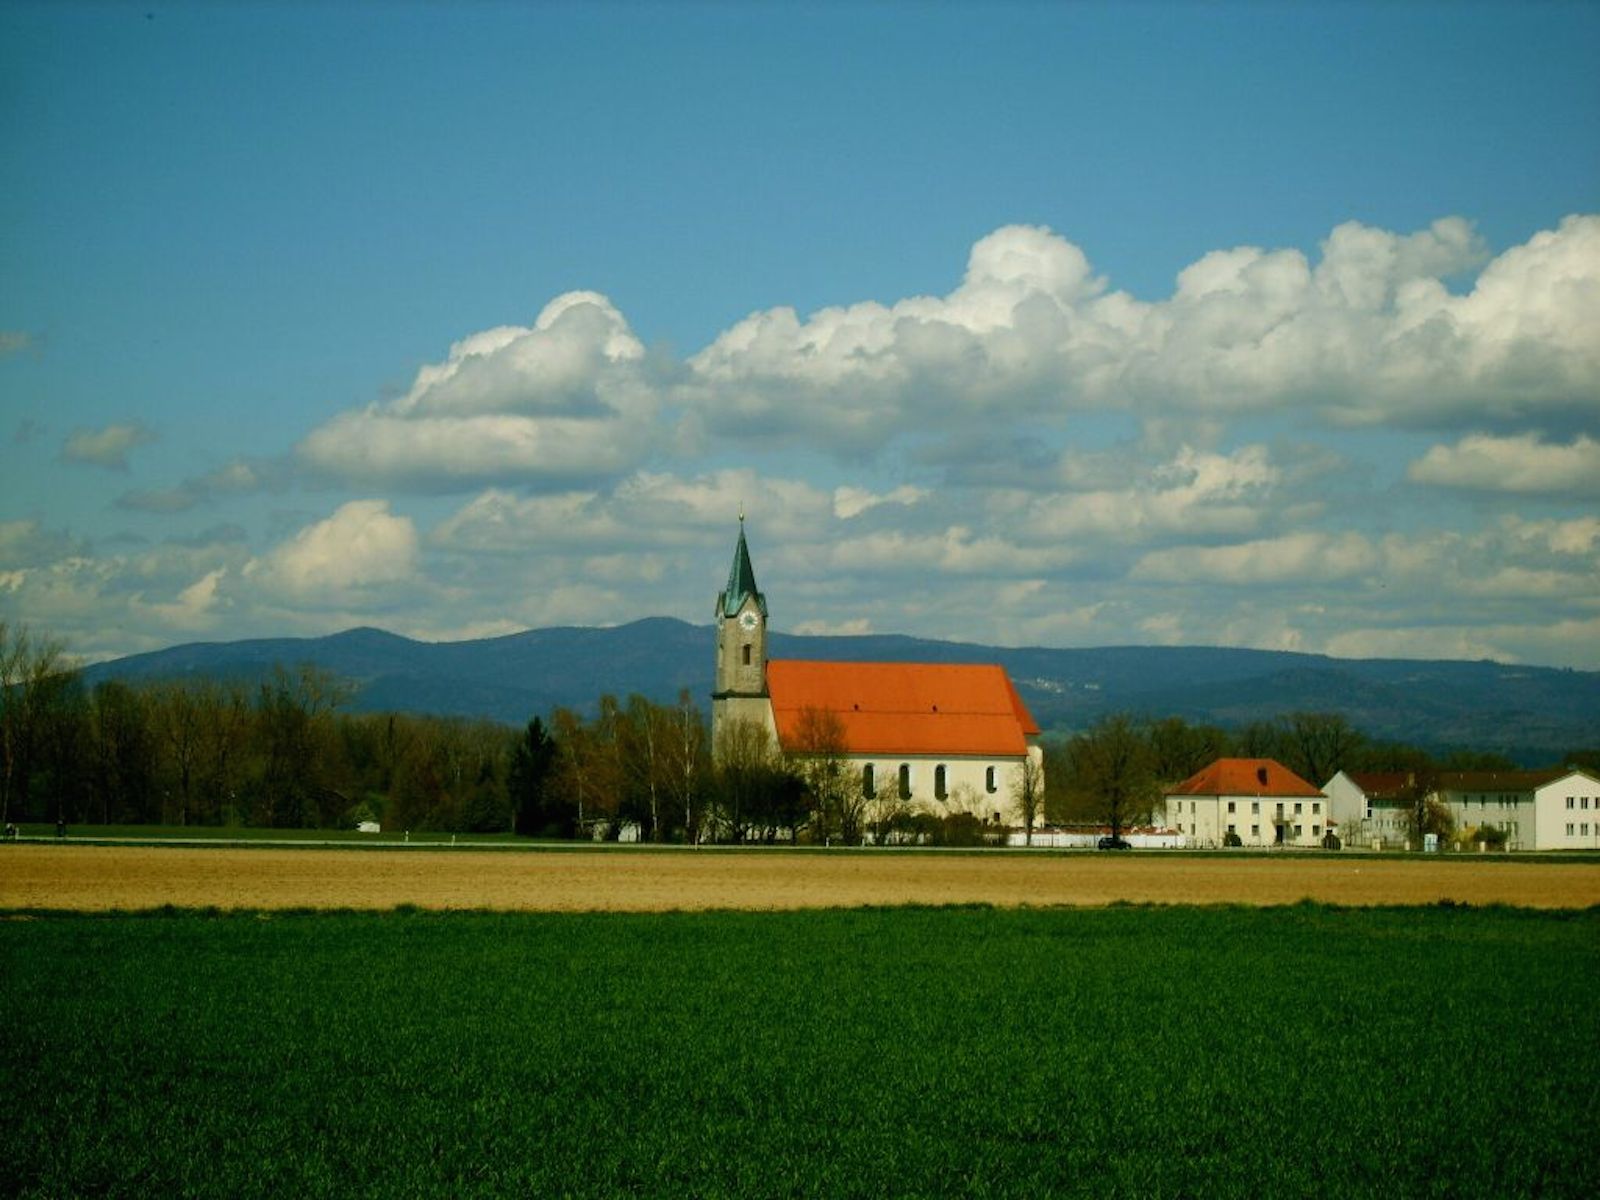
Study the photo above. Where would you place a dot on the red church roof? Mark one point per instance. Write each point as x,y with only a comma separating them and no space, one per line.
905,708
1245,777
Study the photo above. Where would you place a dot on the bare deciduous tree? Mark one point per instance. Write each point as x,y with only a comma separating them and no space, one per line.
746,762
35,678
818,757
1028,791
683,755
1111,762
175,709
1318,745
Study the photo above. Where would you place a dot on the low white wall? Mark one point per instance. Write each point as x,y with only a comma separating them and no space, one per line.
1061,839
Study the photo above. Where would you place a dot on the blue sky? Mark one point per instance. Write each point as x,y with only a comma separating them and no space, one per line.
1058,324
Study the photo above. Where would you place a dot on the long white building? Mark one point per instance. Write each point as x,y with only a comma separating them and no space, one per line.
1554,809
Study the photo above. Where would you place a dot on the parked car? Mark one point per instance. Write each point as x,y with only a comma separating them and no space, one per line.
1113,843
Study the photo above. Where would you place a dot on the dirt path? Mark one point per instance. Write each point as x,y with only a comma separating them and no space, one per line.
126,877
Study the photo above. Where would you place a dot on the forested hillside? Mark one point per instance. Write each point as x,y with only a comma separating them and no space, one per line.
1528,713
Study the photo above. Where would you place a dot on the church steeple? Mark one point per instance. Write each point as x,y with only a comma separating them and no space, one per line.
740,690
741,582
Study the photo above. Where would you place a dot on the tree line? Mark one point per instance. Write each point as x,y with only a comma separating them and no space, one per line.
271,753
280,752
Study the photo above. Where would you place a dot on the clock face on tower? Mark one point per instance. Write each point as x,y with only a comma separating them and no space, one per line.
749,621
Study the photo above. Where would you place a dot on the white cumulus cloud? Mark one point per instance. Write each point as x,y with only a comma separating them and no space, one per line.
1368,333
564,401
361,546
648,509
1292,558
106,447
1196,492
1520,463
850,502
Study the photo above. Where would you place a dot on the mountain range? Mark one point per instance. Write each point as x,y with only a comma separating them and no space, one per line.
1530,713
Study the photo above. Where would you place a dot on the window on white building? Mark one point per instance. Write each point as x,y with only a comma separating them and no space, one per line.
905,781
1316,807
1255,808
990,783
1569,828
1299,831
868,785
1572,801
1230,809
1316,831
1297,808
938,783
1255,831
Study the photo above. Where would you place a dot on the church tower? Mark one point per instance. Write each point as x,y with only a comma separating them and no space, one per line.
740,690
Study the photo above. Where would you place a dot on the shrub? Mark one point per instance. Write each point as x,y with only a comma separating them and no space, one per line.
1491,836
960,829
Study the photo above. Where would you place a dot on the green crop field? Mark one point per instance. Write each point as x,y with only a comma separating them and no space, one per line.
1121,1051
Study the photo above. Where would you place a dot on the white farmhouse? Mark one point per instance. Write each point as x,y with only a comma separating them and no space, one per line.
1258,800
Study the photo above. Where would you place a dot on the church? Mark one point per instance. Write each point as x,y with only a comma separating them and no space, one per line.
943,737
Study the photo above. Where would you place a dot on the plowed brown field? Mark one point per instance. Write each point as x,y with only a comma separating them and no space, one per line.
128,877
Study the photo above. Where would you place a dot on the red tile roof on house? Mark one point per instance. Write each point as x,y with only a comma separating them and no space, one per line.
905,708
1245,777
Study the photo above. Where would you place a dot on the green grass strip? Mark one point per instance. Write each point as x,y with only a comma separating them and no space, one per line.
1124,1051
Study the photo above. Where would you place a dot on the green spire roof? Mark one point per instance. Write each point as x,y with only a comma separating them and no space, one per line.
741,581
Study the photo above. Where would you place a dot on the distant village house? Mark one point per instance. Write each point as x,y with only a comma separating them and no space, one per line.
1248,802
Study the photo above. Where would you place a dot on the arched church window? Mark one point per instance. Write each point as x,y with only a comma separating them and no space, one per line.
869,786
938,783
990,785
905,781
